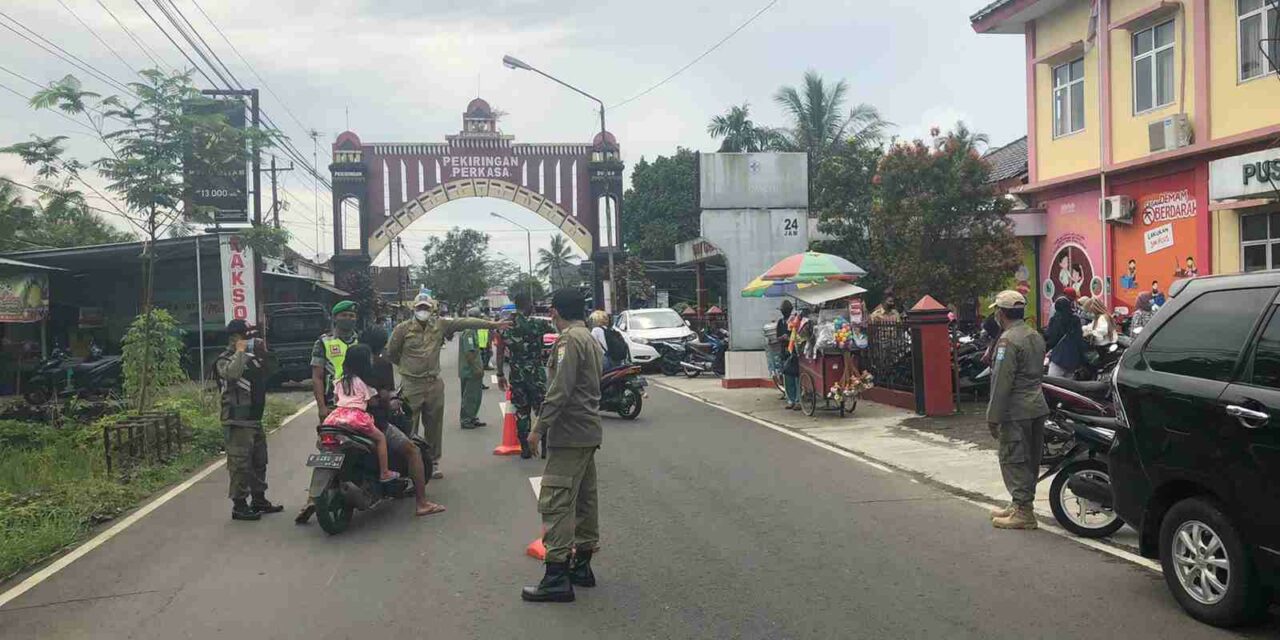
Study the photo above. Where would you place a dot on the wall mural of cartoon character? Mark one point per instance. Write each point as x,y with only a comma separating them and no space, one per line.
1072,269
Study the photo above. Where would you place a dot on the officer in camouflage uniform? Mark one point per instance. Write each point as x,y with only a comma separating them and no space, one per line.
521,350
242,378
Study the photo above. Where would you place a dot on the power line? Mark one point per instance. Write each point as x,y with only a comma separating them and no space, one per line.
174,42
142,46
63,54
700,56
95,35
27,99
47,191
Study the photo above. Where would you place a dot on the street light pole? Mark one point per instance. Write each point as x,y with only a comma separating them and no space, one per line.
512,62
528,238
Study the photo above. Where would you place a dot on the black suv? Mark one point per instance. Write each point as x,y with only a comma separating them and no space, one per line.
1196,463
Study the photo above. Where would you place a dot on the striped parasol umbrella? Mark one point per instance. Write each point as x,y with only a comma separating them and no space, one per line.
812,266
760,288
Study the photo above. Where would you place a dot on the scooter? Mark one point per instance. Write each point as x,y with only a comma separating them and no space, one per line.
706,357
61,374
622,391
670,353
1067,396
345,475
1080,495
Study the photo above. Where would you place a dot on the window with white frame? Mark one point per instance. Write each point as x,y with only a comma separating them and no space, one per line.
1153,80
1260,241
1258,32
1068,98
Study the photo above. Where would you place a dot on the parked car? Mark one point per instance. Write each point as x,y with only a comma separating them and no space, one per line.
641,327
292,330
1196,463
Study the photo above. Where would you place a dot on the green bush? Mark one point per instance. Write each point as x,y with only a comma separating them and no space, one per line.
21,434
158,335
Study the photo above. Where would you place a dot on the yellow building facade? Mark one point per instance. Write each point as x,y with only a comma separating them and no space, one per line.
1164,114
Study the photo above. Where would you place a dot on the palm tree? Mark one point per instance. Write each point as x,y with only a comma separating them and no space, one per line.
552,261
737,129
818,119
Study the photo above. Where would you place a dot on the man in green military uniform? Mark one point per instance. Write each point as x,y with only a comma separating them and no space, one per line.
571,422
327,356
415,348
521,351
1017,409
241,376
470,376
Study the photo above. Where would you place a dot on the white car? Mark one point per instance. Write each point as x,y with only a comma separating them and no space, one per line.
641,326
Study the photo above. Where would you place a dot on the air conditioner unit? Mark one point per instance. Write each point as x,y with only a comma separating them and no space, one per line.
1116,208
1169,133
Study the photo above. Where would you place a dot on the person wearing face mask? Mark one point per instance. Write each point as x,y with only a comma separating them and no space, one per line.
328,354
415,348
242,379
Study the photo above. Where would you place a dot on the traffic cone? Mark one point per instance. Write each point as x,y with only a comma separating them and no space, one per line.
510,438
536,550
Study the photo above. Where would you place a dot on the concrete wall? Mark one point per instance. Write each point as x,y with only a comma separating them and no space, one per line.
754,180
752,241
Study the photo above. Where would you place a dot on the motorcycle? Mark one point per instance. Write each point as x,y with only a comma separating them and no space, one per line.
972,374
1080,495
706,357
1066,396
62,374
622,391
670,353
345,475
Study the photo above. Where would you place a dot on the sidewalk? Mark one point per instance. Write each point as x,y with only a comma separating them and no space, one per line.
893,437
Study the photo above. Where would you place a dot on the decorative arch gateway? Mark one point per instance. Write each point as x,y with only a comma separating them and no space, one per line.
379,189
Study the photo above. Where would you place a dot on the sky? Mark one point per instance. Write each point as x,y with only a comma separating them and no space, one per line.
403,71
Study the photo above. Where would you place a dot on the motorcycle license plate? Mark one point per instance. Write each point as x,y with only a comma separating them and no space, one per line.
326,460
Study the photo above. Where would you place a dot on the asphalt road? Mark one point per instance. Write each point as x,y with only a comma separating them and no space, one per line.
714,527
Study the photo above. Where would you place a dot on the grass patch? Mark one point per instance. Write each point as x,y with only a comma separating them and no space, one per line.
53,483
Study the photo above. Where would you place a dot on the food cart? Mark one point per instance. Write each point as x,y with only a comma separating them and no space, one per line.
830,342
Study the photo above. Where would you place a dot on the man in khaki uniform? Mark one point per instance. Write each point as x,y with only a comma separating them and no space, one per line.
569,418
415,348
1017,409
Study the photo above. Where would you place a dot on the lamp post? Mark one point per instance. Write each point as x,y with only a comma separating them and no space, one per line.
512,62
528,237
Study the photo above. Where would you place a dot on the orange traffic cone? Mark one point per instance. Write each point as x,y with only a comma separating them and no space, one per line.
536,550
510,438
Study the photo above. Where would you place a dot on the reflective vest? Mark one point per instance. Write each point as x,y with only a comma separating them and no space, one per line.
482,338
335,351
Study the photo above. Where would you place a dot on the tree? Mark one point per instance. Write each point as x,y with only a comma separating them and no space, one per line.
633,283
57,218
364,292
525,283
661,205
553,261
740,133
818,119
455,267
936,226
843,194
150,136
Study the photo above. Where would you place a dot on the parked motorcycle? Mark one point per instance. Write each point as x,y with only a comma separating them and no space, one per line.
706,357
972,374
1067,396
345,476
622,391
62,374
1080,495
670,353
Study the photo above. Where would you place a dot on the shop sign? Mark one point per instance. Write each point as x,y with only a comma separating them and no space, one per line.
478,166
1160,237
239,299
92,318
695,250
1168,206
24,297
1250,174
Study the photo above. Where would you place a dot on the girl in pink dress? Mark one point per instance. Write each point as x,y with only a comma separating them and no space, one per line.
353,397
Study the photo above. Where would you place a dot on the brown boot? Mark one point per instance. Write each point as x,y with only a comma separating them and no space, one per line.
1002,512
1021,518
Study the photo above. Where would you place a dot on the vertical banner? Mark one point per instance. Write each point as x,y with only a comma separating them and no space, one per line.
239,299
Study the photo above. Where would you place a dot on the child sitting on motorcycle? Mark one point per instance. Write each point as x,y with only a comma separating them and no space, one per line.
353,396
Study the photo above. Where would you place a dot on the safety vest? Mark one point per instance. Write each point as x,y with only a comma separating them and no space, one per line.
482,338
335,351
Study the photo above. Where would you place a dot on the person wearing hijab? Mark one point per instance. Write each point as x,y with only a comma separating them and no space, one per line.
1101,331
1143,315
1065,340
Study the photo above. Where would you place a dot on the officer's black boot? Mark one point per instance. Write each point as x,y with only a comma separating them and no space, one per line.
580,573
524,447
555,585
240,510
262,505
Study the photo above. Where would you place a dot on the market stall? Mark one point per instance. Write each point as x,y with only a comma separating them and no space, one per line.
830,337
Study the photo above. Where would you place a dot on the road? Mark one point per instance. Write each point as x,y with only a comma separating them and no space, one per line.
714,527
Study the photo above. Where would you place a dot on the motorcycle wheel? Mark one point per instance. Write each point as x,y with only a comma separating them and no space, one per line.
36,397
332,511
691,372
1077,515
631,402
670,367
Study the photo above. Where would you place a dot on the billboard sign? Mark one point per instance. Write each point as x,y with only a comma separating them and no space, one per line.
221,188
24,297
239,297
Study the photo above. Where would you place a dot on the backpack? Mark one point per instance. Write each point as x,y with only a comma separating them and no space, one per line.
617,345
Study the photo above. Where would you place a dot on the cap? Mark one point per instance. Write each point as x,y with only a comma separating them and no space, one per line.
1009,299
238,326
424,300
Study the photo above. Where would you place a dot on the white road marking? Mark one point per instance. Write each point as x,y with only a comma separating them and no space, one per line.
493,378
98,540
536,483
1118,552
